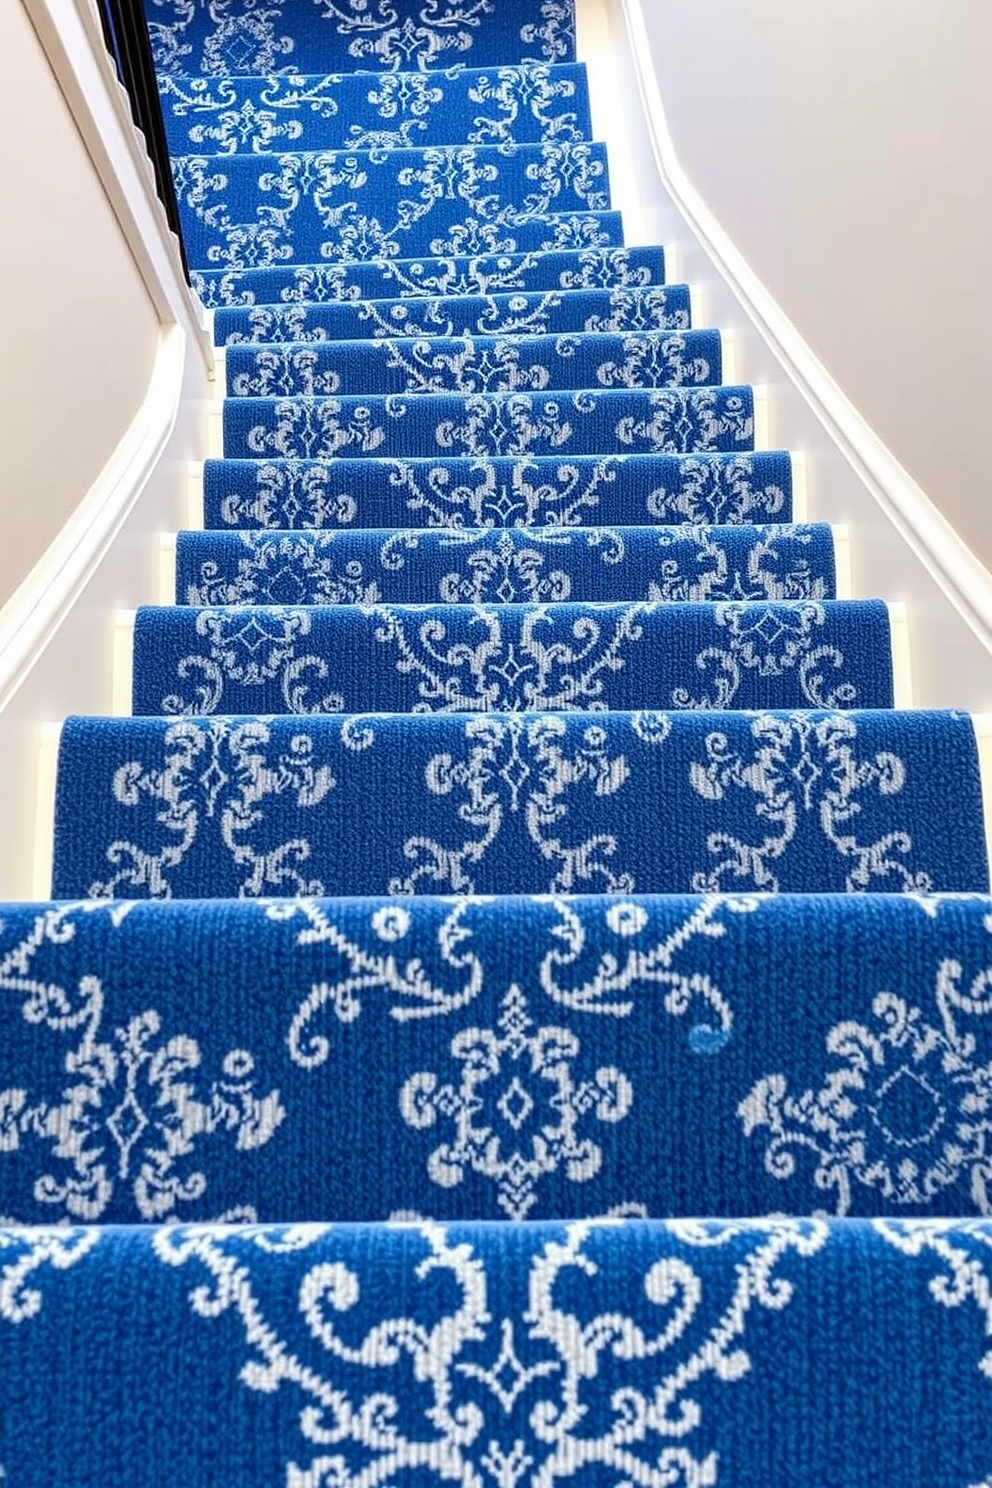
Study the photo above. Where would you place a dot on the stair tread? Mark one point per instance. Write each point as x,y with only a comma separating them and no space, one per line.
695,1023
472,198
359,37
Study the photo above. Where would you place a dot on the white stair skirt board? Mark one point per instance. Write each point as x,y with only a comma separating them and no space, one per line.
123,662
167,544
760,416
902,663
842,561
43,836
215,431
37,607
800,487
728,358
194,496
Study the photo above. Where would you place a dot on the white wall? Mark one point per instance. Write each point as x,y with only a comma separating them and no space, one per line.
845,147
106,377
79,326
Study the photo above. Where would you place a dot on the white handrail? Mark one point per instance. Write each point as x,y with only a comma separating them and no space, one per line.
35,610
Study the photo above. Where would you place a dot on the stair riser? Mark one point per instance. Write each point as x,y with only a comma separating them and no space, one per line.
225,1353
545,803
509,565
358,36
332,112
563,424
361,1023
484,364
567,269
605,311
622,490
503,658
254,210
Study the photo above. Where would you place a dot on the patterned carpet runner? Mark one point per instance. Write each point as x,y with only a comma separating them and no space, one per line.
516,1004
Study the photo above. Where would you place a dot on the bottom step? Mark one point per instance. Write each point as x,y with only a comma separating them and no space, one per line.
709,1354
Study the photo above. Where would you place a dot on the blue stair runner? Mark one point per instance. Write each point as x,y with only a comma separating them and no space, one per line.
516,1007
534,312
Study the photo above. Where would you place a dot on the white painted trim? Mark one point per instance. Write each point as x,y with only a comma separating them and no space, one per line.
800,486
194,496
729,358
965,583
982,723
38,606
167,544
122,662
72,38
760,396
902,663
843,582
215,430
43,836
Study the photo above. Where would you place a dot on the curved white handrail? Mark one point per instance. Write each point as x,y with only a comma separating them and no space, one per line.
964,580
38,606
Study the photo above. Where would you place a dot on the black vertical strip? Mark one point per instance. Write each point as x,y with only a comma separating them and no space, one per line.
125,30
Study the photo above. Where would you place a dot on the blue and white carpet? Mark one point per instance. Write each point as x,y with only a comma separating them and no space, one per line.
516,1004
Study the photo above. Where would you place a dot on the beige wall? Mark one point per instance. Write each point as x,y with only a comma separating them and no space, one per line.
79,330
846,146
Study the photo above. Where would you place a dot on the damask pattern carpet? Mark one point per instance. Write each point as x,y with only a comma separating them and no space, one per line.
516,1003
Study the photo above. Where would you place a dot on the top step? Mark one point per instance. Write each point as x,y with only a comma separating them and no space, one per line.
191,37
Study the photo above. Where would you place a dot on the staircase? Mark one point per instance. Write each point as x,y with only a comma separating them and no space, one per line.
516,1005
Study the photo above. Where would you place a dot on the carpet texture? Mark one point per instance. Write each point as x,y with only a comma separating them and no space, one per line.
536,312
485,273
507,564
516,1003
507,657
